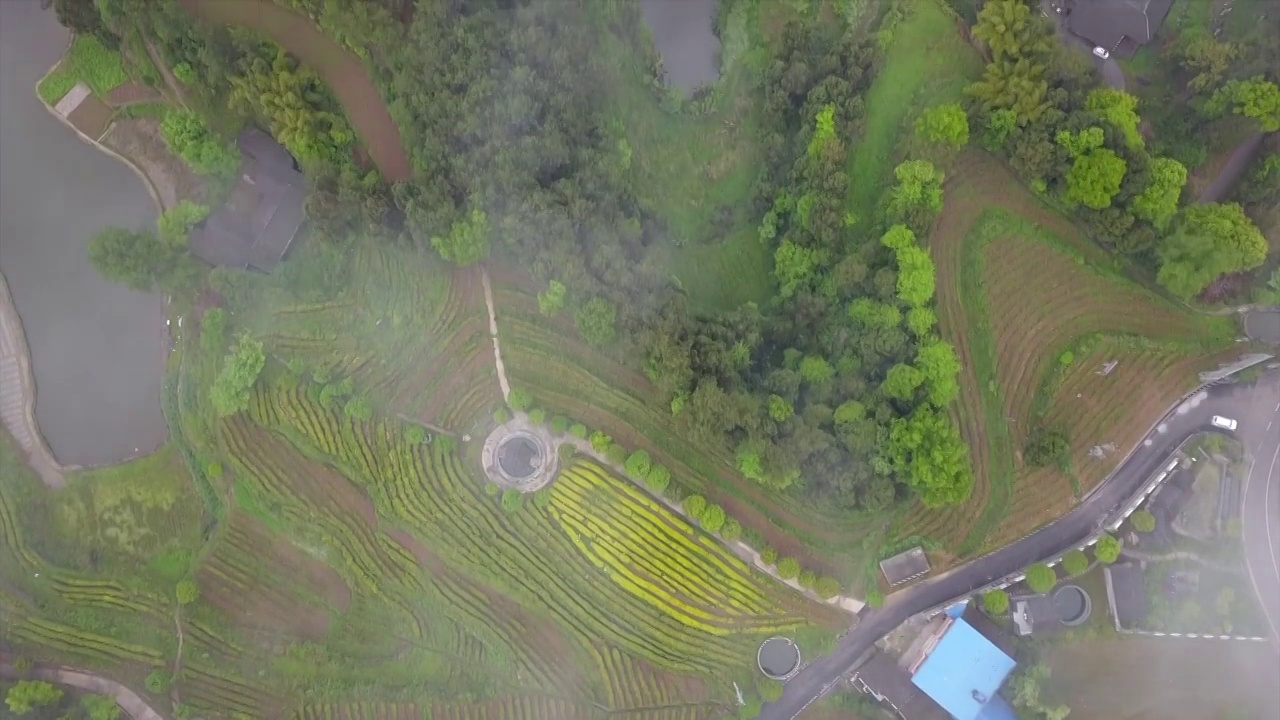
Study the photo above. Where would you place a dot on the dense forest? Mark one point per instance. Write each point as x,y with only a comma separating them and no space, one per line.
839,387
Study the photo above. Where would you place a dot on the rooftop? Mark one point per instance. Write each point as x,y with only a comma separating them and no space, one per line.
886,681
964,673
904,566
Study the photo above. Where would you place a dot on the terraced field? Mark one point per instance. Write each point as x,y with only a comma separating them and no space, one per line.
1019,290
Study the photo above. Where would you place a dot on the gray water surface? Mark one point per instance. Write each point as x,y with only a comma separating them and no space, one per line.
96,348
684,34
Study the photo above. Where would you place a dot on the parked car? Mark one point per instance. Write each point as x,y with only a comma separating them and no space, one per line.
1224,423
1101,52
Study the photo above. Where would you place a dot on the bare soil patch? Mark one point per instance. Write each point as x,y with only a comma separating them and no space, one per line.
91,116
139,140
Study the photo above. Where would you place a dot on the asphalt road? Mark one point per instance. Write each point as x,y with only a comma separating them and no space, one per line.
1247,403
1260,432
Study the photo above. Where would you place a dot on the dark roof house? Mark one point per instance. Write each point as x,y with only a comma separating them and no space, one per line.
1119,26
883,679
263,213
904,566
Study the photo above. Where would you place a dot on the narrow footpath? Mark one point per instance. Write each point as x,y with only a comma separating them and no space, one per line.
18,396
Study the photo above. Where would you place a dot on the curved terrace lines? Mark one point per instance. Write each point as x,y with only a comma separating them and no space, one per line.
341,70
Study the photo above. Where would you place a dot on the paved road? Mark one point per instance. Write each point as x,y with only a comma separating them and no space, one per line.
1246,403
1260,432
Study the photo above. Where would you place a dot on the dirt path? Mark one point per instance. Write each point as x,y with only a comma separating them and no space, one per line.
1230,173
128,700
341,70
18,395
493,333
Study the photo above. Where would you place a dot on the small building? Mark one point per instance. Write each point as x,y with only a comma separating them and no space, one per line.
1067,606
1126,594
260,219
1119,26
890,685
904,566
962,669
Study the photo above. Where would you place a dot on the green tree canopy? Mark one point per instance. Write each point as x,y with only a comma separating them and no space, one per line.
995,602
901,382
921,321
186,592
596,321
1075,562
1095,178
176,222
240,369
917,277
1209,240
100,707
795,266
695,505
1107,549
551,301
788,568
917,195
779,409
1143,521
1041,578
128,257
712,518
1120,109
27,695
946,124
639,464
187,136
926,452
1256,98
1158,202
1012,30
939,364
468,240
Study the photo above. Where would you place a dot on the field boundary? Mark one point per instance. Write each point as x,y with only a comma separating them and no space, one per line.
128,700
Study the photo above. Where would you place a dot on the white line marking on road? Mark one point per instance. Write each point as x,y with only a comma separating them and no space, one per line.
1266,528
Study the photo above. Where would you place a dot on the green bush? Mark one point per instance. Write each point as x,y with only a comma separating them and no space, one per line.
600,442
500,416
875,598
157,682
808,579
713,518
616,454
770,690
638,464
100,707
559,424
788,568
1075,562
578,430
827,587
1108,549
768,555
731,531
27,695
415,434
512,500
358,407
695,505
995,602
186,592
1143,521
566,451
492,489
213,469
659,478
520,400
537,416
1041,578
187,136
542,498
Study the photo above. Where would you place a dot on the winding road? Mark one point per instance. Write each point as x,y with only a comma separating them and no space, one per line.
1257,408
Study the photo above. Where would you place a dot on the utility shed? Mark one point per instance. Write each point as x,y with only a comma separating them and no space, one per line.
258,222
964,671
1119,26
904,566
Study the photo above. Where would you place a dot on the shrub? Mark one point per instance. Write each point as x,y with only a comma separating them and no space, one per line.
358,407
827,587
492,489
616,454
542,498
519,400
659,478
1108,549
695,505
808,579
768,555
1048,446
731,531
1143,521
559,424
187,136
713,518
100,707
578,430
875,598
995,602
512,500
600,442
500,415
566,451
1066,358
157,682
788,568
186,591
415,435
27,695
1075,562
638,464
770,690
1041,578
537,416
213,469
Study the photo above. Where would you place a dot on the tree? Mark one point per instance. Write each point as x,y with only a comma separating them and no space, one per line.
1158,202
176,222
27,695
768,555
519,400
638,464
827,587
595,322
788,568
939,365
188,137
794,266
1120,109
732,530
358,407
1208,58
1107,549
1048,446
694,506
186,591
921,320
1143,521
157,682
128,257
100,707
1256,98
1075,562
512,500
770,690
925,452
1012,31
815,369
659,478
600,441
917,196
995,602
1082,142
946,124
1041,578
917,277
779,409
1209,240
468,240
1095,178
551,301
240,370
83,18
901,382
713,518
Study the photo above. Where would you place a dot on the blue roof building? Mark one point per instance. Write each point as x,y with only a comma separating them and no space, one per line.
964,672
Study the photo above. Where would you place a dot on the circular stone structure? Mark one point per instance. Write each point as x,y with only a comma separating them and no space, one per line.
1072,604
778,658
518,455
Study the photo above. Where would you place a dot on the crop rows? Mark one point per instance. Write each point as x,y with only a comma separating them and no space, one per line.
524,707
206,686
361,711
645,549
98,648
632,684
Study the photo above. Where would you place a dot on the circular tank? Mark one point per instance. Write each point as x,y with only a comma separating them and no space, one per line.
779,658
1072,604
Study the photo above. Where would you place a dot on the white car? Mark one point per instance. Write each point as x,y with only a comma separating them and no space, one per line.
1224,423
1101,52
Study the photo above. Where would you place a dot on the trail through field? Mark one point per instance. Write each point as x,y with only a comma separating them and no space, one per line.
493,333
127,699
341,70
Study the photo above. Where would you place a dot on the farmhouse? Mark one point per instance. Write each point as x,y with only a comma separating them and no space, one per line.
1119,26
261,217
